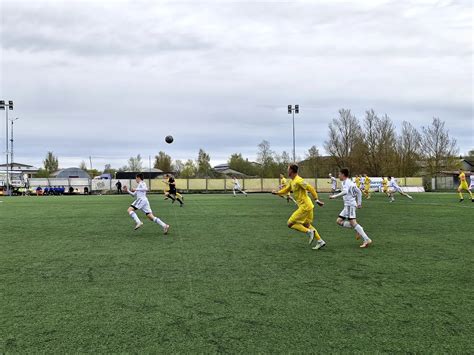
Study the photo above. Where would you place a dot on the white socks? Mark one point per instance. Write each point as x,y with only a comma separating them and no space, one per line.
135,217
160,222
361,232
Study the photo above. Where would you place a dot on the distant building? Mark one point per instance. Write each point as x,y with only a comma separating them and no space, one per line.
226,170
152,173
71,173
17,168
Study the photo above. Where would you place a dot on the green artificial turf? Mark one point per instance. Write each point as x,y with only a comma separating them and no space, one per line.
231,277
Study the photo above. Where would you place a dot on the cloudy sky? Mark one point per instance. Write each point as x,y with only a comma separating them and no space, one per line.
110,79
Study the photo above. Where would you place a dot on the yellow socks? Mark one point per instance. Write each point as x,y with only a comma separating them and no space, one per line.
300,228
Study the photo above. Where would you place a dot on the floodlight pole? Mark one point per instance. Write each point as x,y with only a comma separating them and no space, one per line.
293,110
11,142
6,106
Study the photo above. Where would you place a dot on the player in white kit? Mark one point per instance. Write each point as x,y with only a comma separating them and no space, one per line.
141,203
237,187
333,183
471,185
393,188
352,197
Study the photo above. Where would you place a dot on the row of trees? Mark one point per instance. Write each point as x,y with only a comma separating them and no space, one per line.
371,145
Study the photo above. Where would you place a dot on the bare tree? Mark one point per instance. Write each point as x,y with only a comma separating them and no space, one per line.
345,138
408,150
135,164
163,162
266,158
379,147
83,166
312,162
438,148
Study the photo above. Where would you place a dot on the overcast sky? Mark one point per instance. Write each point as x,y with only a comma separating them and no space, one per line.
110,79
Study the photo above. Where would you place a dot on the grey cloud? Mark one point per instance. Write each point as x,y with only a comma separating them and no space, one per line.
219,75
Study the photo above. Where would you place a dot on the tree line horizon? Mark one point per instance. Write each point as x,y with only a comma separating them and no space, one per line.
370,145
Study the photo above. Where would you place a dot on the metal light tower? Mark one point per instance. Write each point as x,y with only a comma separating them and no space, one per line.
12,121
291,111
6,107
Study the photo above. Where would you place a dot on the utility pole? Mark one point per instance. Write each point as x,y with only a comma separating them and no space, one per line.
291,111
6,107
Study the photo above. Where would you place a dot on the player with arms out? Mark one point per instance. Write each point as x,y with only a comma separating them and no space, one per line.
333,183
302,219
352,197
463,186
174,196
283,184
393,188
141,203
172,192
237,187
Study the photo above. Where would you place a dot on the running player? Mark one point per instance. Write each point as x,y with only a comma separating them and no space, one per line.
172,193
283,184
463,186
357,181
393,188
166,191
366,186
333,183
141,203
352,197
302,219
237,187
385,185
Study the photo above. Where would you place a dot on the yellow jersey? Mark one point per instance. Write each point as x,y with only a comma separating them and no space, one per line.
300,189
367,183
462,177
385,183
357,181
283,181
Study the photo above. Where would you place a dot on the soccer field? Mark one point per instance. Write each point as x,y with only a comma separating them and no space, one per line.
231,277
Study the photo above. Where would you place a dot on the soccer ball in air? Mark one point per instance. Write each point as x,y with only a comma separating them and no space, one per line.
169,139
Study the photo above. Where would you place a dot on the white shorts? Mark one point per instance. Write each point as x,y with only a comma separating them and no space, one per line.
349,212
237,187
142,204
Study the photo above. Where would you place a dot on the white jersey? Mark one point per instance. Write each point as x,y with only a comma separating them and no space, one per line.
236,184
471,186
393,183
140,191
351,194
141,201
333,183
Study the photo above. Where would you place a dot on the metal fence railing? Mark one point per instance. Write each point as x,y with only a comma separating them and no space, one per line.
190,185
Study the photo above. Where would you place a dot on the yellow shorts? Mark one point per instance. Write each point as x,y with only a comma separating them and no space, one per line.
302,216
463,186
385,189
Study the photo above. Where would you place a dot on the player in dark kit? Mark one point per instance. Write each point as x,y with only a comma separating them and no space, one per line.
172,193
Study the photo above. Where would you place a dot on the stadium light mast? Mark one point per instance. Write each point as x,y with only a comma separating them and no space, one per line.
6,107
12,121
291,111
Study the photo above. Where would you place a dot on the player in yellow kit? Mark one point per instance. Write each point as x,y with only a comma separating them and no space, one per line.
366,186
283,184
385,185
302,219
357,181
463,186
